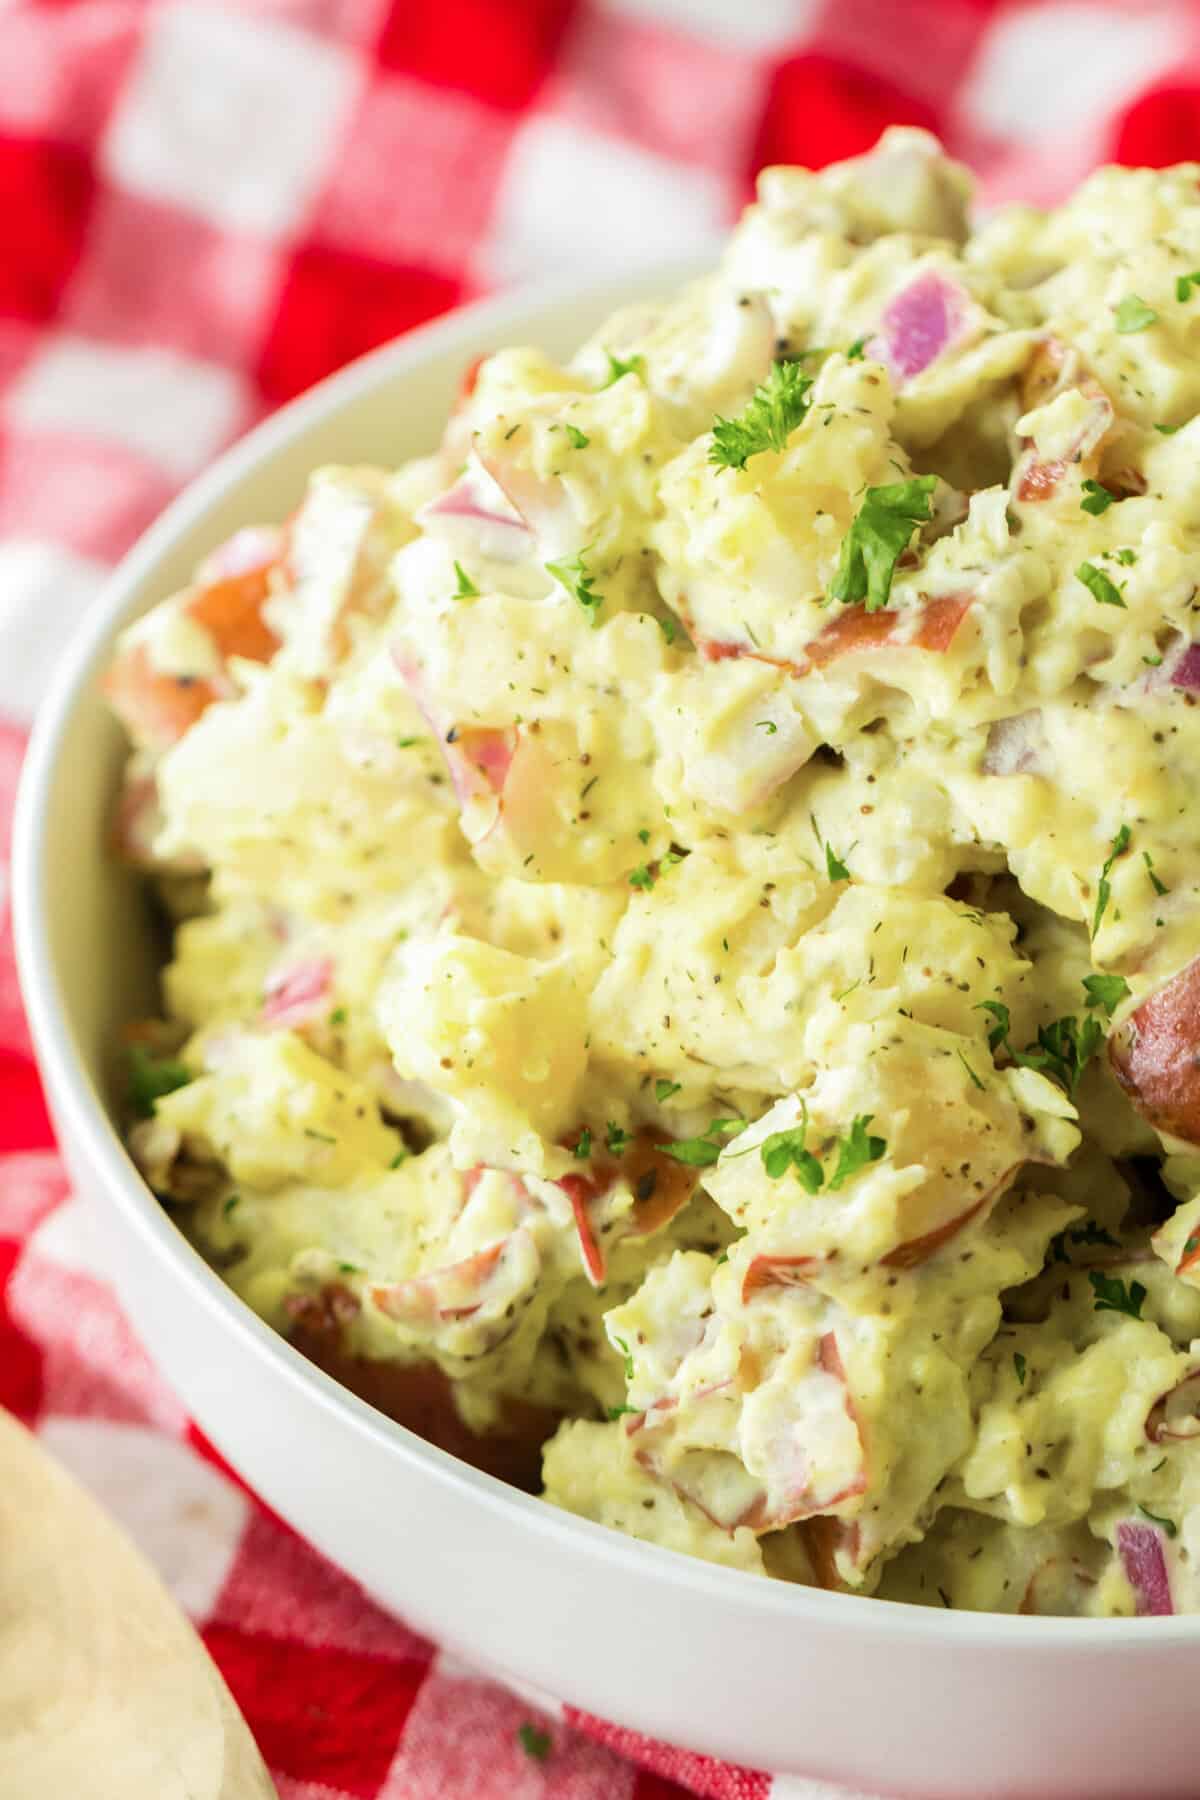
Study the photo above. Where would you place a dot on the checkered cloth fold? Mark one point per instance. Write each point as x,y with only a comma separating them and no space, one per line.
203,209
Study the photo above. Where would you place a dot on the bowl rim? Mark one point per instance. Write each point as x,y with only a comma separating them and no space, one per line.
88,1126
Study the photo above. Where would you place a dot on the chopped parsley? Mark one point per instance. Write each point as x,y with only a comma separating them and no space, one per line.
1167,430
466,589
1126,557
855,1151
771,414
322,1137
998,1032
583,1147
784,1150
1104,890
1132,314
1091,1233
970,1071
788,1149
405,743
665,1090
617,367
229,1204
623,1347
1160,887
401,1156
703,1151
151,1079
835,868
878,538
669,628
579,440
642,877
1107,991
854,351
1019,1365
1168,1525
616,1141
767,725
1185,283
1096,498
617,1412
1112,1296
573,574
1099,585
1063,1050
535,1743
338,1016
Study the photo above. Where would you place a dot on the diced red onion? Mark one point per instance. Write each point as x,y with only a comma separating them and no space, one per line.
297,993
478,513
1016,746
1186,673
1143,1557
920,323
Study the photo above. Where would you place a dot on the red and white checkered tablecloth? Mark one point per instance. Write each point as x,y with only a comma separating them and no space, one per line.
203,209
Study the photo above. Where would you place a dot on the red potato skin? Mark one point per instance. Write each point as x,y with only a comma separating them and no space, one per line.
159,708
1155,1055
854,629
661,1187
420,1396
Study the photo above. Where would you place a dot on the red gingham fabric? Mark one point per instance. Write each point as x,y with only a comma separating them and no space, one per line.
206,208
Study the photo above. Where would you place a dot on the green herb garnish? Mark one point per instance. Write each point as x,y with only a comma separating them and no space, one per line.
574,576
1107,991
1104,890
578,440
617,367
878,538
1099,585
1185,283
1019,1365
583,1146
616,1141
152,1078
770,415
1063,1050
1096,498
855,1151
1160,887
703,1151
466,589
1132,314
835,868
623,1347
1091,1233
1112,1295
998,1032
784,1150
664,1090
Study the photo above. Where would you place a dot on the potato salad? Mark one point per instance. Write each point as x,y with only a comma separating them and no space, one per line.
684,904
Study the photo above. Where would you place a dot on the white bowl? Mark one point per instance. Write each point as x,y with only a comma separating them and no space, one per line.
894,1698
